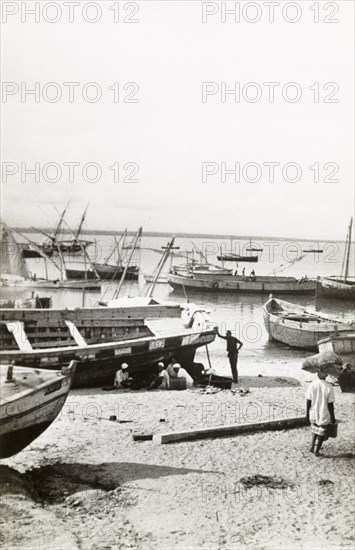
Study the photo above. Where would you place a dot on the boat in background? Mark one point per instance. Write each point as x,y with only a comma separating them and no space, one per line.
253,247
14,272
293,325
30,400
35,302
162,280
28,251
343,287
230,257
55,243
213,281
114,272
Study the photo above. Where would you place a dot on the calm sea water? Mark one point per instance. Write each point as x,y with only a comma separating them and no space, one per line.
243,314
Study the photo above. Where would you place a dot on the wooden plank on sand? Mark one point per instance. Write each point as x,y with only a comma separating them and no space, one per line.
229,430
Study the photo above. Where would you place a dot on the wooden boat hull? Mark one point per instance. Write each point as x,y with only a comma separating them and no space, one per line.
103,339
113,273
236,258
160,280
236,285
92,286
80,274
333,288
303,333
31,253
29,405
68,247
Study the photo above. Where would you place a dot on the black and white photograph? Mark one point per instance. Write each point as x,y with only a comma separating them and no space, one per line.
177,275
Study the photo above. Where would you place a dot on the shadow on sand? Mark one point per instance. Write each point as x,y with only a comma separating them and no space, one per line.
55,482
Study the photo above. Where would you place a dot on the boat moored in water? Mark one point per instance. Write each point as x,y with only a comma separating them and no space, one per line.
226,282
340,287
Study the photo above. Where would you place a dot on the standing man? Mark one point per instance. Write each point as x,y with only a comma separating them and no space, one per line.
233,347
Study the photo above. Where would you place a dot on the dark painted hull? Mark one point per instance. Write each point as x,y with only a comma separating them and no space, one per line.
98,367
336,290
79,274
236,258
28,253
14,442
101,339
113,273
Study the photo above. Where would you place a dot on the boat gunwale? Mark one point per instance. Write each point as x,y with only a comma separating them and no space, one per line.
102,346
33,390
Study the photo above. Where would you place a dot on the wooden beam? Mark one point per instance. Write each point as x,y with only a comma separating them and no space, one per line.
142,437
229,430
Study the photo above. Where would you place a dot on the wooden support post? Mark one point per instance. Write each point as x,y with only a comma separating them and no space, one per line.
229,430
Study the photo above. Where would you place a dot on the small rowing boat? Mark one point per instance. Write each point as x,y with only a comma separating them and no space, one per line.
295,326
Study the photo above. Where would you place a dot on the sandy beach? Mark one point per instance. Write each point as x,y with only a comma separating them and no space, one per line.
86,484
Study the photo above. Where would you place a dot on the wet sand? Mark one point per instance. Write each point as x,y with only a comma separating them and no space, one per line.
86,484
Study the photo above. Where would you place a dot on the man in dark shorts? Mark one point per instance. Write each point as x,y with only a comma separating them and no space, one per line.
233,347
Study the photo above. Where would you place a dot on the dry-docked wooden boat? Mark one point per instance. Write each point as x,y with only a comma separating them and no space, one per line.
138,331
343,287
224,282
295,326
30,400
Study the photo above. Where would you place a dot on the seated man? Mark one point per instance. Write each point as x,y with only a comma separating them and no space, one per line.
182,373
122,377
170,369
161,380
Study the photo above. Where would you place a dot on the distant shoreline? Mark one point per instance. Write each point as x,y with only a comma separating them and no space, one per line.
184,235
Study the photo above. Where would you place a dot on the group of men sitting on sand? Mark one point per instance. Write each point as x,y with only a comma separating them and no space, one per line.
164,379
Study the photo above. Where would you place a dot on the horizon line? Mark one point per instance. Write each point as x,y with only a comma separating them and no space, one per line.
178,234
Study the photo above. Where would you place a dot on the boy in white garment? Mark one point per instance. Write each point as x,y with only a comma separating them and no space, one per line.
320,409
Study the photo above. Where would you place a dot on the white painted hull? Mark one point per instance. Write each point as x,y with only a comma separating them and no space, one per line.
238,285
300,334
29,404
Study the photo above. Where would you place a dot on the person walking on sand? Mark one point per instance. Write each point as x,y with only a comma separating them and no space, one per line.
320,410
233,347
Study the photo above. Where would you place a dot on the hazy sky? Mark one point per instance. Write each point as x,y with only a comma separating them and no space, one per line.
170,132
